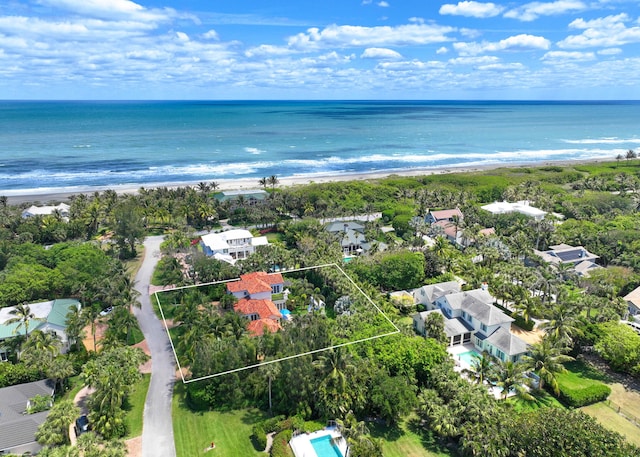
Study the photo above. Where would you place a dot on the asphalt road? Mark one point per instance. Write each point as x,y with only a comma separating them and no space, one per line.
157,430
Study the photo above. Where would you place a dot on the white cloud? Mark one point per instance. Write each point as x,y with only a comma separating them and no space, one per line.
442,50
472,9
501,67
610,51
350,36
211,35
532,11
608,31
566,56
521,42
111,9
383,4
482,60
380,53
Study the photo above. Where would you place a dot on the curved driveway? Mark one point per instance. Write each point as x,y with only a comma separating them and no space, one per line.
157,430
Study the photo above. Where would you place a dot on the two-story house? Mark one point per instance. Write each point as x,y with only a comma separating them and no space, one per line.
232,245
471,317
255,293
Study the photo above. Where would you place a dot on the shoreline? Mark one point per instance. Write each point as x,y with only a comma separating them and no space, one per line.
62,195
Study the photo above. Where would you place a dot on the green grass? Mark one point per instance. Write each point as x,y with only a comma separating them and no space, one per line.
231,431
408,439
135,407
275,237
580,375
74,386
541,399
613,421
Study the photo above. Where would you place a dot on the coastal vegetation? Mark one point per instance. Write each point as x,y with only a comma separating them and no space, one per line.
403,387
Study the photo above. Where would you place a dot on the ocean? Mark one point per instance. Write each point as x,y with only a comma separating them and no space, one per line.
72,146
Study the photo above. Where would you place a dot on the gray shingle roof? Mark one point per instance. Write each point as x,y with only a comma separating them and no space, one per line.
507,342
17,428
341,226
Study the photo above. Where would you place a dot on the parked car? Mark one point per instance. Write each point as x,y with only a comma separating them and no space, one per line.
82,425
106,311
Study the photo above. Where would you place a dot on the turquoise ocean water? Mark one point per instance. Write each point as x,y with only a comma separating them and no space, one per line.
66,146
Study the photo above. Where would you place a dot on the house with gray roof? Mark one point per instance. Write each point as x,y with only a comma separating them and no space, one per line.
471,317
351,237
250,196
17,428
581,260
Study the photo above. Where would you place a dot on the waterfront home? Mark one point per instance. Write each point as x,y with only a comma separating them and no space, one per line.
17,428
231,245
633,301
250,196
62,209
351,237
522,207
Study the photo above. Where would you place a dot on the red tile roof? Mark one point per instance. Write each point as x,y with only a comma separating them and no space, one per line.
255,283
265,309
257,328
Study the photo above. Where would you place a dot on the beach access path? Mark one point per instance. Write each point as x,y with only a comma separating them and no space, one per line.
157,430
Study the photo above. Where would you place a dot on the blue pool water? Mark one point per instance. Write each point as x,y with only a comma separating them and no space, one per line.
466,357
324,447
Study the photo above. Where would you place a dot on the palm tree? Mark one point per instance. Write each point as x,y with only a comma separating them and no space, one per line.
23,318
55,430
511,375
336,366
60,369
562,326
481,367
271,371
263,181
546,361
273,181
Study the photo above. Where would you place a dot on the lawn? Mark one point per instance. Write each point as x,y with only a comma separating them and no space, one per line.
231,431
407,439
135,406
613,421
580,375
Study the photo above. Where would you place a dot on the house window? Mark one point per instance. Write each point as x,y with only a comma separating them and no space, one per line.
3,357
464,315
479,343
483,327
500,355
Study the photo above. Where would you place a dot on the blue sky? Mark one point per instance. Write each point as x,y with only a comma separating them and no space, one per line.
347,49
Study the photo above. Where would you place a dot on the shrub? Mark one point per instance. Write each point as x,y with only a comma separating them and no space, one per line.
584,396
522,322
259,437
280,447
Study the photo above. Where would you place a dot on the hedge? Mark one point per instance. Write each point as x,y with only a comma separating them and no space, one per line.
280,447
584,396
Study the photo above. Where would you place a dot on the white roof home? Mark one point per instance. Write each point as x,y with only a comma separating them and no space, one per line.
33,211
522,207
633,301
232,245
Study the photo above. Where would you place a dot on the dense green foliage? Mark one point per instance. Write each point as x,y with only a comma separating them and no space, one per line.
620,346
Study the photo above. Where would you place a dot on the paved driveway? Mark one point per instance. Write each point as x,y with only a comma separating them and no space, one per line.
157,431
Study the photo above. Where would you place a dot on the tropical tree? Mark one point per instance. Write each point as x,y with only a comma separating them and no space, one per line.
546,360
273,181
481,368
511,376
55,429
335,366
271,371
23,317
562,326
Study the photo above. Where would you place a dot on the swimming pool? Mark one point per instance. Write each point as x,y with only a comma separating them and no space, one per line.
467,357
324,447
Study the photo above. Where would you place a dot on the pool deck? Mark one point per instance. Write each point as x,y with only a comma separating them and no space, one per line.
455,351
301,444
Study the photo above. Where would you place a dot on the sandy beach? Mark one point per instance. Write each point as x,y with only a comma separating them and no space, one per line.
62,195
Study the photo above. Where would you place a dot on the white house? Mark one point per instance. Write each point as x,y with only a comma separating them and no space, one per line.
522,207
231,245
470,317
32,211
633,301
50,316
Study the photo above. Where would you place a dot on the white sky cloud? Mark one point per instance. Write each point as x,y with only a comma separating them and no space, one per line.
211,35
610,52
472,9
349,36
532,11
514,43
383,4
111,9
380,53
608,31
568,56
